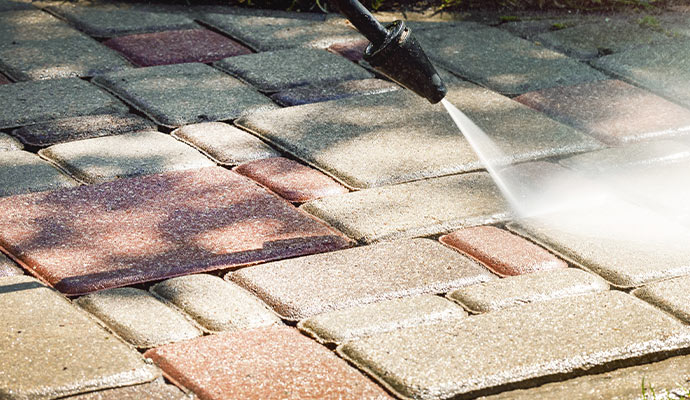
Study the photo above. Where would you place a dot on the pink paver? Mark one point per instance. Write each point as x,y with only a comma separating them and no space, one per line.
502,252
290,179
175,47
4,80
134,230
352,50
265,363
612,111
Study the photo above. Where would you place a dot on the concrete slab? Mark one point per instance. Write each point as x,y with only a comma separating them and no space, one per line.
8,143
156,390
24,172
670,295
9,267
315,94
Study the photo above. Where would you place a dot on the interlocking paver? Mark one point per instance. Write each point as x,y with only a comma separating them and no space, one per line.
108,158
613,111
49,348
670,295
31,102
291,180
8,267
353,51
362,321
138,317
215,304
542,342
224,143
154,227
33,25
8,143
9,5
303,287
78,128
156,390
176,95
314,94
175,47
525,289
24,172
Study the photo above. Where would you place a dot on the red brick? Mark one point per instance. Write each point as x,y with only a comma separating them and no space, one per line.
352,50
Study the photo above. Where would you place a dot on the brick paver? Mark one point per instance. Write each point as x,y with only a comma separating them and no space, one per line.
33,25
8,143
314,94
156,390
24,172
670,295
8,267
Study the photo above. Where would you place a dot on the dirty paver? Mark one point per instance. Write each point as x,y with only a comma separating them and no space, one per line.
8,143
9,267
156,390
23,172
670,295
353,51
314,94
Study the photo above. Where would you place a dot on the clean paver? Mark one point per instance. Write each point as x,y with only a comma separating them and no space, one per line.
314,94
40,336
156,390
8,143
108,158
215,304
508,349
8,267
24,172
670,295
155,227
176,95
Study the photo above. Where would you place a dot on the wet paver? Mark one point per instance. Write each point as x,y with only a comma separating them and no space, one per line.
155,227
32,102
8,143
353,51
176,95
303,287
9,267
156,390
138,317
362,321
670,295
24,172
502,349
217,305
176,47
291,180
223,143
108,158
314,94
40,335
612,111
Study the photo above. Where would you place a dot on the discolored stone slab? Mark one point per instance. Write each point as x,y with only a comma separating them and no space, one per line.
504,349
314,94
224,143
156,390
31,102
8,267
39,337
176,47
502,252
215,304
8,143
612,111
353,51
23,172
386,316
291,180
176,95
138,317
155,227
108,158
303,287
670,295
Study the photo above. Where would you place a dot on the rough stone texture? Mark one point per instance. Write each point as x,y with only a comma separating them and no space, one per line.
4,80
303,287
525,289
176,47
215,304
613,111
31,102
155,227
502,252
362,321
8,143
33,25
23,172
108,158
396,137
423,208
78,128
314,94
291,180
8,267
9,5
156,390
39,336
543,342
224,143
138,317
353,51
176,95
670,295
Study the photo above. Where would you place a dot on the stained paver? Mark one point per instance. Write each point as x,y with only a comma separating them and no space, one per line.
314,94
155,227
24,172
176,95
525,289
544,341
362,321
40,335
291,180
353,51
156,390
303,287
670,295
224,143
31,102
108,158
502,252
138,317
613,111
8,143
8,267
175,47
215,304
78,128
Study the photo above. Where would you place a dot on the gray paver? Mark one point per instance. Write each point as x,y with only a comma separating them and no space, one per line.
529,28
8,267
33,25
108,158
215,304
24,172
302,287
9,5
176,95
39,337
504,349
8,143
315,94
670,295
156,390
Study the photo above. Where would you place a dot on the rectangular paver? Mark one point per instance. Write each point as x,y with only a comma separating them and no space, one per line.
156,390
24,172
670,295
315,94
8,143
